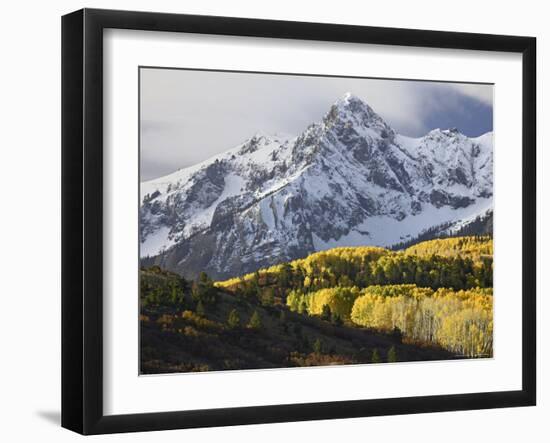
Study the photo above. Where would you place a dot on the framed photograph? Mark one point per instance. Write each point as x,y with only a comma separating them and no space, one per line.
269,221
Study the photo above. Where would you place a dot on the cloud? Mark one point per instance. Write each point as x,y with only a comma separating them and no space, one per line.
188,116
482,93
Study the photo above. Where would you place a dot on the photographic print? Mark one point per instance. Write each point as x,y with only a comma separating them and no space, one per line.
301,220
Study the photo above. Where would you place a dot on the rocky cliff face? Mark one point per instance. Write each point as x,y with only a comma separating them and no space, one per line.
345,181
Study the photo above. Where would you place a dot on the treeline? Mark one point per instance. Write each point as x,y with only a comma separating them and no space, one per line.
475,247
456,263
428,234
459,321
160,288
481,226
164,289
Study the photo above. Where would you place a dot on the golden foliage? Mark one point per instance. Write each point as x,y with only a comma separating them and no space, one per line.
461,262
460,321
329,259
340,300
473,247
436,292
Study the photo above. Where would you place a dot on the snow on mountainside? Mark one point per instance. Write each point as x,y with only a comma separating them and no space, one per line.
347,180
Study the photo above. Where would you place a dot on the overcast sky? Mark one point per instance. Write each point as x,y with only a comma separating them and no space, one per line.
188,116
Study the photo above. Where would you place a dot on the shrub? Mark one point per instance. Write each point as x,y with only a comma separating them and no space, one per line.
233,320
392,355
318,346
255,321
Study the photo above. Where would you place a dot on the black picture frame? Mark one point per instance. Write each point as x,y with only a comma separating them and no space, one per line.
82,215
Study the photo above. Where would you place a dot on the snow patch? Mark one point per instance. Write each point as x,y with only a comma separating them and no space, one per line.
386,231
202,218
267,213
155,242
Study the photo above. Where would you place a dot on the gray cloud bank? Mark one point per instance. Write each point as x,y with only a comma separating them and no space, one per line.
188,116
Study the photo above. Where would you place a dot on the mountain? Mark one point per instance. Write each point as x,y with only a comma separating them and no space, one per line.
347,180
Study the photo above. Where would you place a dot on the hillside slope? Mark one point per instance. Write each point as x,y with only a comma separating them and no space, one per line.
177,339
341,306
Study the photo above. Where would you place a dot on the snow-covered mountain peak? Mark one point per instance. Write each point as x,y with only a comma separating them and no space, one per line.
352,102
347,180
350,106
263,141
257,141
443,134
349,99
350,111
